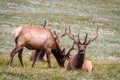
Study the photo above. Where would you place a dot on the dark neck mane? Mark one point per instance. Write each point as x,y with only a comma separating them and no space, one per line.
57,48
80,59
57,52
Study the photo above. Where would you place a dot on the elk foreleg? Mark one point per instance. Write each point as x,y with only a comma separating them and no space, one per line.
48,52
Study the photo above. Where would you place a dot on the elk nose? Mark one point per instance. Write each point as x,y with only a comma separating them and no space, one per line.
81,49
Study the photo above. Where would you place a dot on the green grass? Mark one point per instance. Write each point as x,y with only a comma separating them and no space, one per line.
103,69
82,16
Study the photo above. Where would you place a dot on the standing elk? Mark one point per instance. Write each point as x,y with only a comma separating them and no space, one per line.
42,56
78,60
38,39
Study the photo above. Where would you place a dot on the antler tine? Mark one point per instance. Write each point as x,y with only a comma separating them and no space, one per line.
71,35
55,33
68,53
69,30
57,36
79,39
94,37
44,23
63,33
85,38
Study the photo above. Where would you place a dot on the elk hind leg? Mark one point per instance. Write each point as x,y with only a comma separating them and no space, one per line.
12,54
20,56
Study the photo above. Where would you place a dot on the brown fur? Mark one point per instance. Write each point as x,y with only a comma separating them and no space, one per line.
38,39
78,61
84,65
41,56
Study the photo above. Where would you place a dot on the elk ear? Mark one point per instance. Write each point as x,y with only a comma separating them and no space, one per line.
67,57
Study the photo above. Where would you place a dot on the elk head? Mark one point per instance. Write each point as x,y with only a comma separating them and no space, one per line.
60,57
81,45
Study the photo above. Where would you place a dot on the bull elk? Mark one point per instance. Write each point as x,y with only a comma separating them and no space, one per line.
38,39
78,60
42,56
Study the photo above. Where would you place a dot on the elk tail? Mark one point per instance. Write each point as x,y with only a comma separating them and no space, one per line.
16,32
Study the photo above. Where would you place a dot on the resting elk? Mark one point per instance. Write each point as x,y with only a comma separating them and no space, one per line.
78,60
38,39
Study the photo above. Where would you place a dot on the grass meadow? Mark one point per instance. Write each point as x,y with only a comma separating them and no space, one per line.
82,16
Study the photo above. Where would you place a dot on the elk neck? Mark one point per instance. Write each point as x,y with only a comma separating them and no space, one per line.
58,48
80,59
57,51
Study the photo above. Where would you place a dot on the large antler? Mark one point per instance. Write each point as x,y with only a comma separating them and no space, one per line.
68,53
59,36
94,37
72,36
